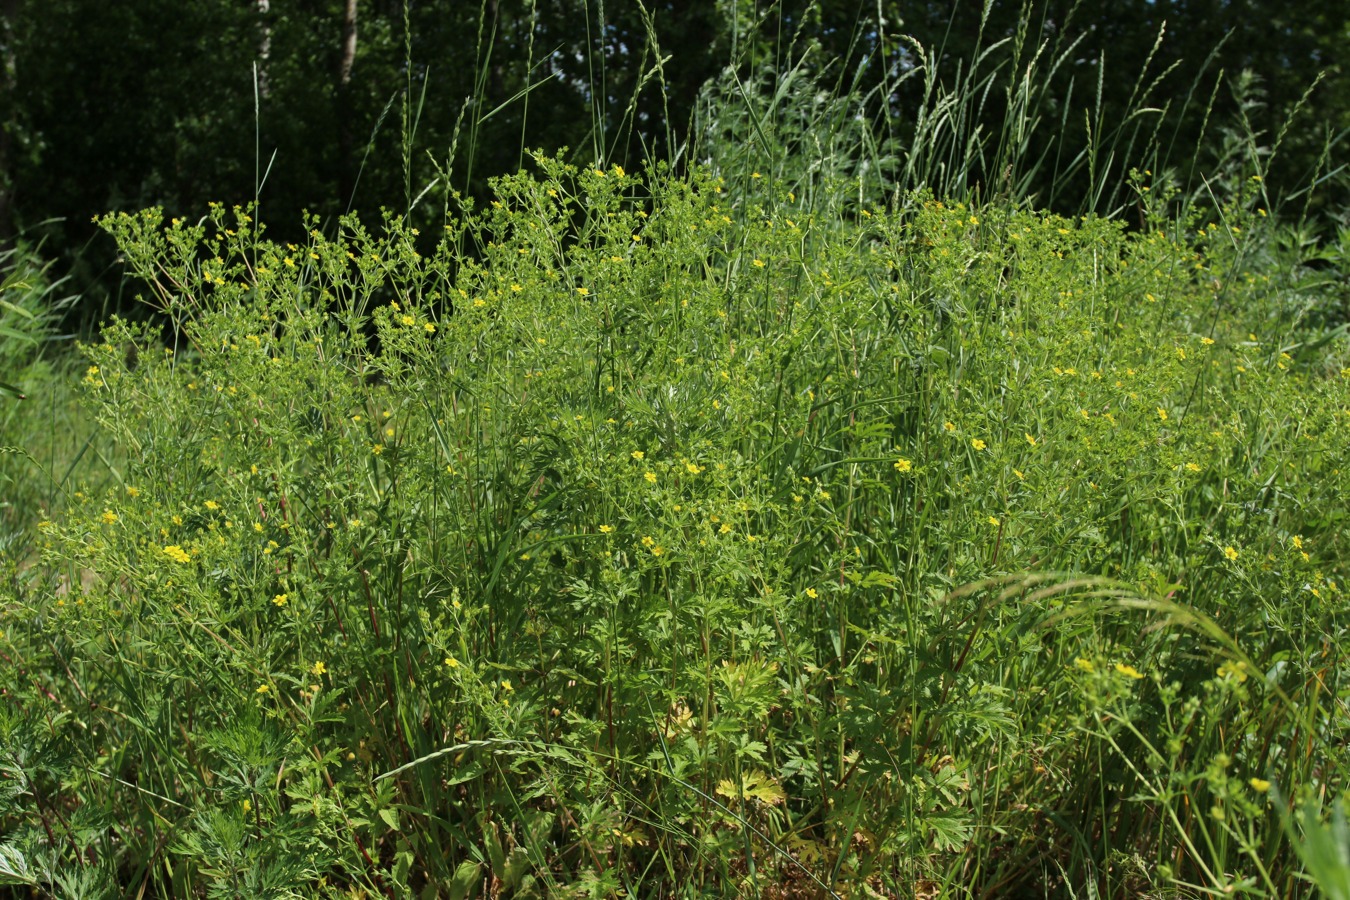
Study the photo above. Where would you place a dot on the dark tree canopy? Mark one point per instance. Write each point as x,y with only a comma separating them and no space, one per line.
124,105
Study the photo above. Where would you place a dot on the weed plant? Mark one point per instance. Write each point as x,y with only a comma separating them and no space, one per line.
641,536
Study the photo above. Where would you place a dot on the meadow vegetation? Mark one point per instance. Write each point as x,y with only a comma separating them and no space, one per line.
711,532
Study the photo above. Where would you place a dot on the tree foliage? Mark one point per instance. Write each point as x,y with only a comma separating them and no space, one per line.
124,105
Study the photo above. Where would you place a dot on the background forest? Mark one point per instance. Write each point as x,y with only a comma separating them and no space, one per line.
298,103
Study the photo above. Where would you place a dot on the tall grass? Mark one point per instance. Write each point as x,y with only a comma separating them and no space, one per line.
811,522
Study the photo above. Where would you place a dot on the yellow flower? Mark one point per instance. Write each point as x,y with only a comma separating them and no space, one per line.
318,668
377,449
1030,440
903,465
1129,671
650,476
1084,665
211,504
109,516
993,521
585,292
658,550
1260,785
606,529
1298,542
948,426
280,599
262,689
758,263
409,320
725,529
637,454
1192,467
977,444
648,541
452,662
1231,553
1235,669
506,686
692,468
177,554
133,492
811,592
1162,414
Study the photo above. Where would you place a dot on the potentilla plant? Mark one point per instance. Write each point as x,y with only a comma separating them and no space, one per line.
632,534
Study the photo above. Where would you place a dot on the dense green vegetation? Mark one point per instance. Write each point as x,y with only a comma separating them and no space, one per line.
800,513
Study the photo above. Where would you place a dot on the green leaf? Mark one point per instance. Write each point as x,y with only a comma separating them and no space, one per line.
465,880
13,866
390,816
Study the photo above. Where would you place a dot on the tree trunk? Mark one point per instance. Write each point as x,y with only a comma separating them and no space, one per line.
9,12
264,44
346,154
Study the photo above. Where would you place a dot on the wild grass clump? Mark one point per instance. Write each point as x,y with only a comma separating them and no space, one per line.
635,536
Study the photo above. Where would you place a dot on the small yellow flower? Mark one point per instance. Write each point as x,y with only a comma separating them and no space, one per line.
377,449
725,529
585,292
903,465
211,504
1298,542
1231,553
658,550
1234,669
506,686
811,592
1162,414
1018,473
606,529
262,689
758,263
109,516
637,454
651,477
1084,665
648,541
1192,467
408,320
280,599
977,444
318,668
1030,440
1207,341
993,520
451,662
133,492
948,426
177,554
1260,785
1129,671
693,468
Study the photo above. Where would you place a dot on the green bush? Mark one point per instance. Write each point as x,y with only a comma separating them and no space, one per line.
637,537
